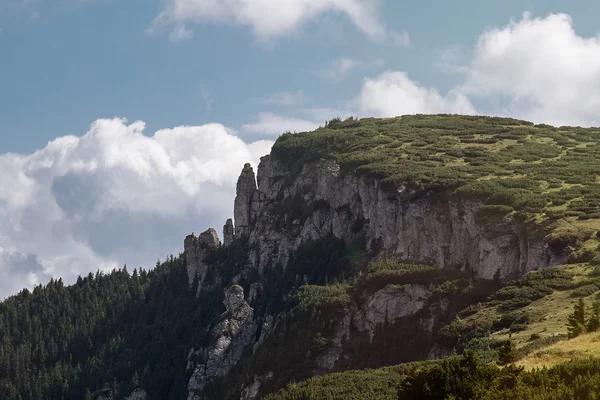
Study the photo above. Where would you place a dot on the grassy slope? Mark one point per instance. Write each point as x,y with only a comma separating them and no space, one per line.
539,174
581,347
548,316
367,384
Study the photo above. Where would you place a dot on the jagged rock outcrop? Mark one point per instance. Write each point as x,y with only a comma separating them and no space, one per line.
385,305
245,189
251,392
235,330
279,210
444,232
389,303
137,394
228,233
196,250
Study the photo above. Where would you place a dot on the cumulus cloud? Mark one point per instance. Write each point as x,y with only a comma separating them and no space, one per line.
275,124
269,19
114,196
537,69
394,93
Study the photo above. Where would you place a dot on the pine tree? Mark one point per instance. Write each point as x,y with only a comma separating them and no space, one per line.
576,321
593,323
506,353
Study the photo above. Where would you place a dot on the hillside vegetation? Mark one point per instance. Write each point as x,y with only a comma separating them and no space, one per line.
111,333
538,174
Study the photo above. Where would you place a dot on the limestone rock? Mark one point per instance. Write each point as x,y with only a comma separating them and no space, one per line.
137,394
228,233
245,188
390,303
235,330
251,392
427,230
278,210
196,250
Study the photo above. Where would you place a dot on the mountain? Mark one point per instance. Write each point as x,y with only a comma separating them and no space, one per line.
362,245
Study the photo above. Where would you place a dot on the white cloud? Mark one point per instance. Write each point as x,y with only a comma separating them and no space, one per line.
269,19
338,69
394,93
274,124
540,69
114,196
537,69
284,98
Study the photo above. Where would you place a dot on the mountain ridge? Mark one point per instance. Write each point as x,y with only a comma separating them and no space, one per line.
363,244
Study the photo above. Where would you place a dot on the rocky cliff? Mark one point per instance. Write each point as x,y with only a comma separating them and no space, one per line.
280,210
283,209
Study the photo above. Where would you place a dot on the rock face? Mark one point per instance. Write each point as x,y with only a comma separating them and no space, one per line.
228,233
389,303
235,330
137,394
196,249
281,209
427,230
385,305
245,188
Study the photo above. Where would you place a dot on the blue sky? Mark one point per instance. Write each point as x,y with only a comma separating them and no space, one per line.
215,82
66,63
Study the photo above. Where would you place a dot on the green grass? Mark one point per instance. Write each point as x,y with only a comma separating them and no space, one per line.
532,311
581,347
368,384
533,173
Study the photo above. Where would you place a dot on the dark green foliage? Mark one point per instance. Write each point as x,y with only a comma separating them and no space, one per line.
302,333
390,271
470,310
593,324
538,344
532,287
576,321
460,332
368,384
518,327
67,342
507,352
584,291
508,319
509,299
468,378
450,153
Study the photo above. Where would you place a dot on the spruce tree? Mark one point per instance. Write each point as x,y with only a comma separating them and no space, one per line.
506,353
576,321
593,323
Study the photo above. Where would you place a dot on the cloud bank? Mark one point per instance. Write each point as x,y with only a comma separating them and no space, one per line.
271,19
114,196
536,69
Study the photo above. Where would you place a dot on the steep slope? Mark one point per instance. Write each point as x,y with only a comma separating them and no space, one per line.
363,244
476,197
